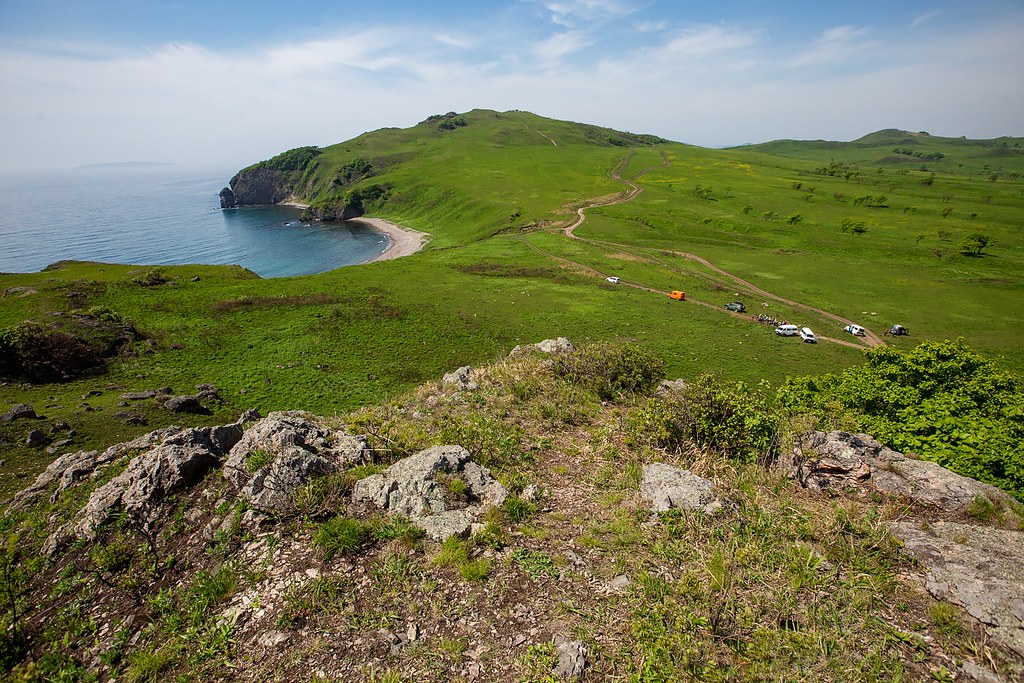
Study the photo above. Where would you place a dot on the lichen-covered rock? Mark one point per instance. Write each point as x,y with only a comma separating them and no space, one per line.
461,379
665,487
177,462
415,487
838,461
979,568
572,658
553,347
69,468
283,452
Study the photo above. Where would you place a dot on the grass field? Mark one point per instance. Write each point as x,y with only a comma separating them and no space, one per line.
497,272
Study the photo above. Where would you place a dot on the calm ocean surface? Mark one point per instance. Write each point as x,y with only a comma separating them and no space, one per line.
163,216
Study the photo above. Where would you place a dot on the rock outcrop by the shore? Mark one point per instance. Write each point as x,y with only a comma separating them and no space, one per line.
255,185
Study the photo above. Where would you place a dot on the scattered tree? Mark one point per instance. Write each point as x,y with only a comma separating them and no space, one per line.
747,209
946,211
704,193
975,244
793,219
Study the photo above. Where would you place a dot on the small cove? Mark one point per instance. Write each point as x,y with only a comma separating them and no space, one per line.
164,216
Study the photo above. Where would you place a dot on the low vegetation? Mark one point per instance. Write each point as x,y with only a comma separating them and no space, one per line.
781,581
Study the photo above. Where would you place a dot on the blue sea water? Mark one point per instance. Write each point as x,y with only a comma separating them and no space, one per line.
164,216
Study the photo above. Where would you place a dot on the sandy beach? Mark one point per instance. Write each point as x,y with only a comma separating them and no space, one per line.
401,241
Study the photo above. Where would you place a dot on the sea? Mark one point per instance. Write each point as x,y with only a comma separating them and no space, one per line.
162,215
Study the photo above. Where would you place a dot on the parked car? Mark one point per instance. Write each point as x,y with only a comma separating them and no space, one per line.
787,330
897,331
855,330
807,335
614,280
736,306
676,294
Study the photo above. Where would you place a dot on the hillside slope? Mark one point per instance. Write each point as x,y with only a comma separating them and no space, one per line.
259,551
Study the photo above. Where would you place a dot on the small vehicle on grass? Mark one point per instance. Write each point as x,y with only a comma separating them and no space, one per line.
613,279
736,306
897,331
807,335
787,330
855,330
676,294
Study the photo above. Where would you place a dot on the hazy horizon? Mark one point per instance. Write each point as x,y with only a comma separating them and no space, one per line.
199,84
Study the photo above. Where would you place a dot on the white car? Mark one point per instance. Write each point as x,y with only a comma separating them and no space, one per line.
614,280
787,330
855,330
807,335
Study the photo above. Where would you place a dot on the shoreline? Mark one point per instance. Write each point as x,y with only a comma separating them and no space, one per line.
401,241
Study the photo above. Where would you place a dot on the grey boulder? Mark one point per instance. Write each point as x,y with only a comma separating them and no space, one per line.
979,568
285,451
461,378
553,347
665,487
415,487
839,461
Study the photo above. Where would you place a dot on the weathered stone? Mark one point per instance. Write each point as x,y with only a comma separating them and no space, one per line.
179,461
147,393
665,487
20,411
461,379
185,404
35,439
838,461
207,392
979,568
670,387
553,347
572,658
284,452
412,487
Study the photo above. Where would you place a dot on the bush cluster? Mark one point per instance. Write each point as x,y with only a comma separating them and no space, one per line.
62,349
611,370
710,414
940,400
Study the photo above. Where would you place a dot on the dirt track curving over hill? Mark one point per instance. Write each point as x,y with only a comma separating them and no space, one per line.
871,339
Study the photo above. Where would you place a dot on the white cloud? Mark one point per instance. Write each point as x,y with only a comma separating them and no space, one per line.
712,84
567,12
560,45
924,18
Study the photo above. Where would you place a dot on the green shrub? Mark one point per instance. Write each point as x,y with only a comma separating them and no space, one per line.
940,400
342,535
710,414
611,370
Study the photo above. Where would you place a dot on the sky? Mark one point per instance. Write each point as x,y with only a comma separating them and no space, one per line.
211,84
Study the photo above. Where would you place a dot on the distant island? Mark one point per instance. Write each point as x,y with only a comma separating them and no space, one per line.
124,164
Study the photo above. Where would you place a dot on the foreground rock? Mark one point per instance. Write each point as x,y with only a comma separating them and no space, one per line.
69,468
550,346
461,379
179,461
665,487
838,461
572,658
21,411
420,488
285,451
979,568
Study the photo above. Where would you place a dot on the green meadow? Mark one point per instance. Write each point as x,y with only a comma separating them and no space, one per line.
857,229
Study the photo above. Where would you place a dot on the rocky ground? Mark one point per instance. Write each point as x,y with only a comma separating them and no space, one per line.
509,523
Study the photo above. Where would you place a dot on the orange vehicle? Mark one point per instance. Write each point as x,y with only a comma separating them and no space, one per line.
676,294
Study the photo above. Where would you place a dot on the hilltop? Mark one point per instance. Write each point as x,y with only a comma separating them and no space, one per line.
529,520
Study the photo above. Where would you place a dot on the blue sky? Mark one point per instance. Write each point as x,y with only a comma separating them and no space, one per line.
219,85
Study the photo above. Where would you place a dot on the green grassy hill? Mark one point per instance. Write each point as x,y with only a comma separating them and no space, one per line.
841,227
